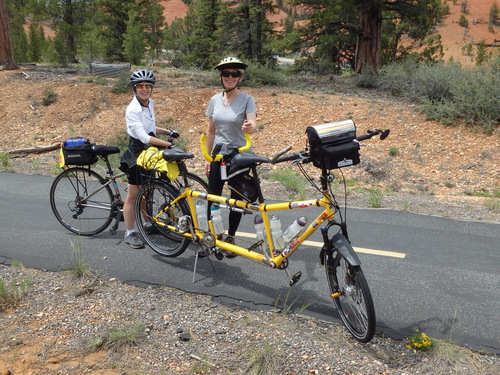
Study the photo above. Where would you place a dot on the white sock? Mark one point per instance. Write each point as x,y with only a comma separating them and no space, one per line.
130,231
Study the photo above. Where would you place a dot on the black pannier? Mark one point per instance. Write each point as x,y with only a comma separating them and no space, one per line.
333,145
80,154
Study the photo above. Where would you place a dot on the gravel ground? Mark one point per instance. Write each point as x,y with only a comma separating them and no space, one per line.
65,325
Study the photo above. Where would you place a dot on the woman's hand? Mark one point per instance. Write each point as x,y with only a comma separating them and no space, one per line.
249,127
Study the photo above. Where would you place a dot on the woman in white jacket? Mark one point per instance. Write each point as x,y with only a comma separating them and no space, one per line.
142,130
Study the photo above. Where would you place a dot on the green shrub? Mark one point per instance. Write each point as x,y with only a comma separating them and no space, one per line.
121,84
393,151
121,336
49,97
492,204
257,76
5,160
463,21
292,180
447,92
12,293
374,197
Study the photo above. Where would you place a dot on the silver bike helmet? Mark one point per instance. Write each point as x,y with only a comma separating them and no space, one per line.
142,75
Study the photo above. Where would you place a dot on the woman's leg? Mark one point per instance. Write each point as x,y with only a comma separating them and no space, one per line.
215,184
234,218
128,206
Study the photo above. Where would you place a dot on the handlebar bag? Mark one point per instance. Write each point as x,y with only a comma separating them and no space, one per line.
78,155
333,145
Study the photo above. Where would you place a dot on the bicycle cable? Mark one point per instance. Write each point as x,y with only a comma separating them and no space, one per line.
332,198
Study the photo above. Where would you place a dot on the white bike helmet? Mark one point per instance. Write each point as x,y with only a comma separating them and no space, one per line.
231,63
142,75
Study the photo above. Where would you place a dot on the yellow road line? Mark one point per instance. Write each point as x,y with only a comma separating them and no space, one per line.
384,253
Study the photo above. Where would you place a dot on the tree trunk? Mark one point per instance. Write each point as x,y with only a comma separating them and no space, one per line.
6,53
369,44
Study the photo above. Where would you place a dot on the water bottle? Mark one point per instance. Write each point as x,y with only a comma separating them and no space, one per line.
75,142
201,215
294,229
217,220
276,233
260,229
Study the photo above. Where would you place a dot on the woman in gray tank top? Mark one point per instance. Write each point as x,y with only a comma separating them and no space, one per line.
231,113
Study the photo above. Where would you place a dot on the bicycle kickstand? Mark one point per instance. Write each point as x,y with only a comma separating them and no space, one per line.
196,263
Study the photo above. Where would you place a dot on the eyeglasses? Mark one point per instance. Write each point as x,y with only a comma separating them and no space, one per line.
227,73
141,86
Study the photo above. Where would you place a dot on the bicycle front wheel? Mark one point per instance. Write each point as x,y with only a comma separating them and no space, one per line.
153,204
81,201
354,304
196,182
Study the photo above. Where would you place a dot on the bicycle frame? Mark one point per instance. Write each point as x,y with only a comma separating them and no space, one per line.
116,196
272,258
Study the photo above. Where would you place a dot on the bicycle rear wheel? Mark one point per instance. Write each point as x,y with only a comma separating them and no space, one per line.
151,200
81,202
354,304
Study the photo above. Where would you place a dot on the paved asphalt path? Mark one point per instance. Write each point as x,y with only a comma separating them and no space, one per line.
437,275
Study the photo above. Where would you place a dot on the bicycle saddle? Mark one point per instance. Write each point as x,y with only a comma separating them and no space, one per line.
104,150
244,160
176,153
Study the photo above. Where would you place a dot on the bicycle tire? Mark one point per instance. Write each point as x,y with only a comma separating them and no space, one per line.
86,217
197,183
355,303
152,198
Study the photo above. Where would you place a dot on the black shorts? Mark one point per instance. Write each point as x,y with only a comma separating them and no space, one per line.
136,175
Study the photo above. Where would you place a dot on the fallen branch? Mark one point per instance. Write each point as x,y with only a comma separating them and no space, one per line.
36,149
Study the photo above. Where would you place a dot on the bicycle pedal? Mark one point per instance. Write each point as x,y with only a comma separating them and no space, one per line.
295,278
218,254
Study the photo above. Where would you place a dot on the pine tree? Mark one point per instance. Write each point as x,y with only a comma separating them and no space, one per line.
112,16
201,30
133,39
19,40
151,14
35,44
92,45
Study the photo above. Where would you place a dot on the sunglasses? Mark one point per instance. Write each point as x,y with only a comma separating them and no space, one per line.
227,73
141,86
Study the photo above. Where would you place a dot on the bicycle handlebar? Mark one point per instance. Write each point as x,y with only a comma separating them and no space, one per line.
215,154
372,133
304,156
284,151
